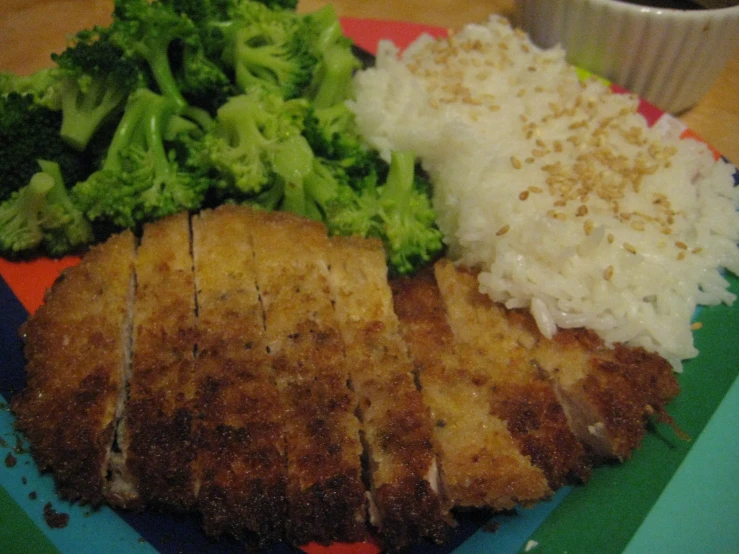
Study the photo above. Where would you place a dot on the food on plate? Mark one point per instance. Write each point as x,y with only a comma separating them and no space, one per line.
283,388
186,105
556,188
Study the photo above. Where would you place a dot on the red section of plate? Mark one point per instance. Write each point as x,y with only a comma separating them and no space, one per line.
30,280
366,33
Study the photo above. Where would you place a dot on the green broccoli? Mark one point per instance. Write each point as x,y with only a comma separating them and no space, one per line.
145,31
332,80
249,129
394,207
95,80
333,135
42,216
147,173
30,131
269,48
43,86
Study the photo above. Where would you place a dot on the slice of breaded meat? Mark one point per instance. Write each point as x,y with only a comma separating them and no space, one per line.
240,465
481,462
397,426
77,347
609,393
520,393
324,489
155,432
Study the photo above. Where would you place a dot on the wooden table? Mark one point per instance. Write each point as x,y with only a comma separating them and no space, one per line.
31,29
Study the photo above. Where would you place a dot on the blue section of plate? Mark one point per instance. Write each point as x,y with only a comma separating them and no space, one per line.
697,512
87,531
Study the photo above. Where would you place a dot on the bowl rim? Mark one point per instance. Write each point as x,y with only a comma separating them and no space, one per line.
625,6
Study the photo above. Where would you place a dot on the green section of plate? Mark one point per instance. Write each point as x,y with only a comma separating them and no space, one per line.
18,534
603,516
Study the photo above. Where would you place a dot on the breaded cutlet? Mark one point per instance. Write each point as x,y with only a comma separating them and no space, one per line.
325,491
481,462
76,346
520,394
240,465
155,432
609,393
397,427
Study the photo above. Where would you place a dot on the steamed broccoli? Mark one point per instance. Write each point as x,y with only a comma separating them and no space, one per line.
145,31
333,135
42,216
30,131
269,48
147,172
95,80
43,86
394,207
249,129
332,79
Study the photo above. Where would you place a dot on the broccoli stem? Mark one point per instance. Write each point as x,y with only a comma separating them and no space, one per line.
83,113
399,183
125,131
157,57
19,215
334,79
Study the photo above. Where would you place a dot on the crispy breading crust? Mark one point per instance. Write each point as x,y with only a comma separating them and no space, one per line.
520,394
614,392
478,469
324,483
257,346
158,420
397,427
76,346
241,465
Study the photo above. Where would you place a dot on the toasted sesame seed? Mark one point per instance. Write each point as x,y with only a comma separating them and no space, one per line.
516,163
681,245
608,273
503,230
524,195
629,248
696,325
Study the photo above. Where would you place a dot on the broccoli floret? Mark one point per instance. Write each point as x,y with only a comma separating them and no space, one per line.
30,131
41,216
333,135
249,129
397,210
43,86
145,31
147,173
269,48
332,79
95,80
407,219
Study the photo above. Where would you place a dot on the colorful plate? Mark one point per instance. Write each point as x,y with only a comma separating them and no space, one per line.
675,495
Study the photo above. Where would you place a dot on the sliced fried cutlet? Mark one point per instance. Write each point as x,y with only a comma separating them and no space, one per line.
324,478
608,393
77,348
520,393
240,464
155,433
480,461
397,427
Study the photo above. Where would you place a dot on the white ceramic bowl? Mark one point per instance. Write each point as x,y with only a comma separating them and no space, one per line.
668,57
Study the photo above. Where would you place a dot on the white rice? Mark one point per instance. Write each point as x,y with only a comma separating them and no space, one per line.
557,188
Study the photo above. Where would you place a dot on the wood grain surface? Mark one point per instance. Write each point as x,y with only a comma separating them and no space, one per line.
31,29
